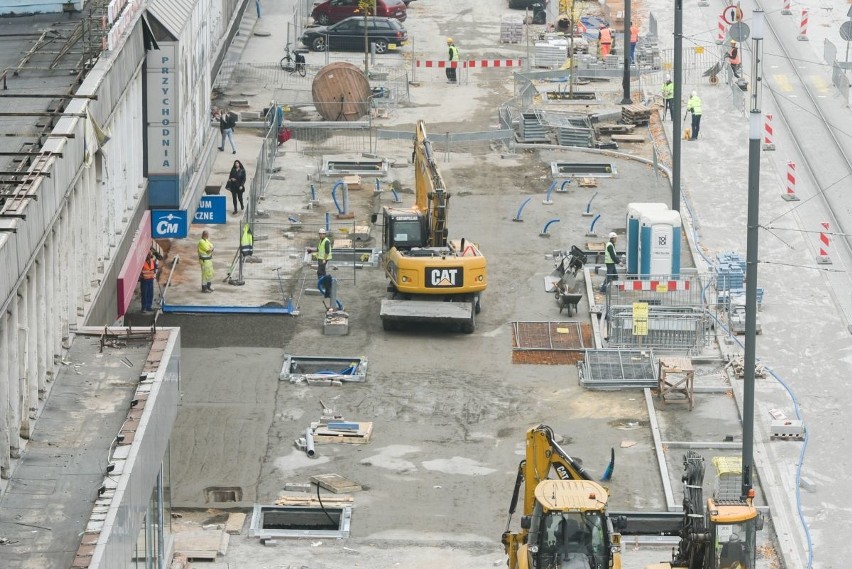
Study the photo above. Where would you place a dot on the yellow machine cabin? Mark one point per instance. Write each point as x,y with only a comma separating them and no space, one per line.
431,278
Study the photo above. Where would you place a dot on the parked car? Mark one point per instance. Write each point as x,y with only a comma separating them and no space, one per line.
332,11
348,35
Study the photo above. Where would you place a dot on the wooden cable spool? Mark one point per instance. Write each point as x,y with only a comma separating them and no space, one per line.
341,92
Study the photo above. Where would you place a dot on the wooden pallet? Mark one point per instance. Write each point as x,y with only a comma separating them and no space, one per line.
359,436
635,114
587,183
336,483
615,128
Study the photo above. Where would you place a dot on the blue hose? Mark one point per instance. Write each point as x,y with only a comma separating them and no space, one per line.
395,196
521,210
548,224
313,193
564,183
550,190
594,221
334,195
589,205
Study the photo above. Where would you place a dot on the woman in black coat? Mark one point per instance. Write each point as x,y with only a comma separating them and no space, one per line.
237,184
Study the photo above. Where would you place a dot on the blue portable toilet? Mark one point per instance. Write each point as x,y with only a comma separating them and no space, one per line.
634,214
659,243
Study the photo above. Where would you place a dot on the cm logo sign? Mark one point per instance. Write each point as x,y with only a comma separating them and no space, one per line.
444,277
169,223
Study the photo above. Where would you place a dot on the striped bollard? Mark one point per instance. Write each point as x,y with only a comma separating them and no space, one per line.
721,31
803,27
822,257
767,133
786,10
791,196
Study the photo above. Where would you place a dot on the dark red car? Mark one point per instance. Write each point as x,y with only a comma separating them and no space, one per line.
332,11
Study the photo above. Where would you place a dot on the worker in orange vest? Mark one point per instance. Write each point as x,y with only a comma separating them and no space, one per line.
149,274
733,57
605,40
634,39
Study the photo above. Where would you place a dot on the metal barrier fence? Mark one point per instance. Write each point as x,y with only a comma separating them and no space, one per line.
450,142
695,63
677,317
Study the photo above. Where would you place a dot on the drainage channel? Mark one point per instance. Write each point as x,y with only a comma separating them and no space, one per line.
365,167
300,521
585,169
322,370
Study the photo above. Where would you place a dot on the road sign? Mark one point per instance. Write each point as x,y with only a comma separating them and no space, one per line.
846,31
732,14
739,31
169,223
211,209
640,318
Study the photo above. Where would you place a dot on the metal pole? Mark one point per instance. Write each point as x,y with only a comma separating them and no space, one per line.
677,126
625,79
754,132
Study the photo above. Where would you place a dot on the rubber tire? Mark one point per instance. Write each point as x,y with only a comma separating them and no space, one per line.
477,305
302,68
286,64
319,44
381,46
470,326
323,19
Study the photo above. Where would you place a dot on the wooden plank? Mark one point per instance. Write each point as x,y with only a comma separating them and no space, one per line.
235,523
312,502
198,544
628,138
587,183
336,483
324,435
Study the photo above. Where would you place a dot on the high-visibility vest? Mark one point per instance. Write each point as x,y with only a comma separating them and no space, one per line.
247,241
610,258
324,245
606,35
205,250
668,90
734,55
634,34
149,269
454,53
694,105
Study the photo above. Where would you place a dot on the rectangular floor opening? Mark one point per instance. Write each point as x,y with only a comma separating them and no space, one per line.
300,521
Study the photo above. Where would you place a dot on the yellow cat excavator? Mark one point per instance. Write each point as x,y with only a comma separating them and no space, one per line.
566,523
431,278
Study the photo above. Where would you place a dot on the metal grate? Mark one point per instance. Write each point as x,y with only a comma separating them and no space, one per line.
618,369
549,342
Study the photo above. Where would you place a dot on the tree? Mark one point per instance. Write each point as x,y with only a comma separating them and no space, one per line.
368,8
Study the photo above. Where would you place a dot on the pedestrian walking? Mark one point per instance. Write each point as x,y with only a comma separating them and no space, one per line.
634,39
147,278
453,56
257,7
227,122
237,184
323,252
605,40
205,259
668,97
734,58
610,260
694,106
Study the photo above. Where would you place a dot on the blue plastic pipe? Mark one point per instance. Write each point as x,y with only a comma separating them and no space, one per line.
313,193
327,221
589,205
564,183
521,210
548,224
594,221
550,190
395,196
334,195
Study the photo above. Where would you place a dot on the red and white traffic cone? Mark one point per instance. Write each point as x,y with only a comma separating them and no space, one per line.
786,10
791,196
822,257
721,31
767,133
803,27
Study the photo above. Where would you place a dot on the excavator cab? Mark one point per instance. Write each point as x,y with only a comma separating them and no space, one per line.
733,534
403,229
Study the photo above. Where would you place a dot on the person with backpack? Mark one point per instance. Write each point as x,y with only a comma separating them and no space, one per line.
227,122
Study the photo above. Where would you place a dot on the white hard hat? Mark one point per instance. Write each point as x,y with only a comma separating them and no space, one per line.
612,234
668,77
695,93
322,230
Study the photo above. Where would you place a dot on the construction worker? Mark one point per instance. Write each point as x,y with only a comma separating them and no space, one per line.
733,57
605,40
668,96
634,39
452,56
149,274
323,252
694,106
247,242
610,260
205,259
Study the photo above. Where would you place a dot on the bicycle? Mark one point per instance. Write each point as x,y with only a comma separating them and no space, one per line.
293,61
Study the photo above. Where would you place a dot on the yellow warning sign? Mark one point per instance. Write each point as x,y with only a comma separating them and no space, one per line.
640,318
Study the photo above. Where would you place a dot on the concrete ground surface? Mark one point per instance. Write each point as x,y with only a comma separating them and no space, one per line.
450,410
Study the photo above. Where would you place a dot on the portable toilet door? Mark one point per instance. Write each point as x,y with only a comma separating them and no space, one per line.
660,243
634,215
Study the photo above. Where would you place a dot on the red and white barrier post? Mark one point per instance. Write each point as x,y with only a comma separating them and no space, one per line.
721,31
767,133
822,257
790,195
786,10
803,27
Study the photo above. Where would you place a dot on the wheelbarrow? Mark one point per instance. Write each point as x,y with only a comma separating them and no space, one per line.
713,73
569,300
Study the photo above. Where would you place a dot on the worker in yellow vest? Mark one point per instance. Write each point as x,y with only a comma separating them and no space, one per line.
453,57
323,252
205,259
668,97
694,106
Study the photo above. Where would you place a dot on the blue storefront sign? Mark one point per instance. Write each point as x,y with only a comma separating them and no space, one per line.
169,223
211,209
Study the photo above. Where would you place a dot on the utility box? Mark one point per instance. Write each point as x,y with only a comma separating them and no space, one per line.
787,429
